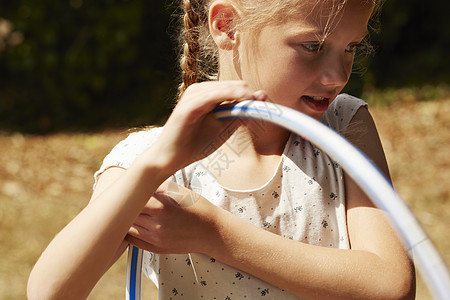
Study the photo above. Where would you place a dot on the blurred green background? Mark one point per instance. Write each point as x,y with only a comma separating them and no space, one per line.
89,65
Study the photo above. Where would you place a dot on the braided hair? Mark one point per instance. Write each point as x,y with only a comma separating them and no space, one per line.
195,20
199,59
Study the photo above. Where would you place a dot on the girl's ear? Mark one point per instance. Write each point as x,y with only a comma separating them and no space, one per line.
222,20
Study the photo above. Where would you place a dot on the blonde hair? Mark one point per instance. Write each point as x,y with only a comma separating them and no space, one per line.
199,57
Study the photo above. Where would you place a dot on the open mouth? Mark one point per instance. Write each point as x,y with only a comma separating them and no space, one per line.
316,98
317,103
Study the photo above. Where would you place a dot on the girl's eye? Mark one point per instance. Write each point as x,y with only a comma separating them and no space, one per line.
354,47
312,47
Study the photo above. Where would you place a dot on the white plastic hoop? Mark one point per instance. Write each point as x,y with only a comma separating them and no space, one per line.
430,264
134,272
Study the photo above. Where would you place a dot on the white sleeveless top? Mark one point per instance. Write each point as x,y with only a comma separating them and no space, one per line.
303,201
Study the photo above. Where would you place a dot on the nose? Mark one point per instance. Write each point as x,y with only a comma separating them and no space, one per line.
336,70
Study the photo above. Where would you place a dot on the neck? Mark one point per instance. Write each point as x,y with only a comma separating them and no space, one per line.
250,156
256,139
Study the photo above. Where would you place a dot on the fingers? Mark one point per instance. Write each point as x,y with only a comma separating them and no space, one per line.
167,224
154,206
260,95
163,186
142,244
147,239
143,224
164,202
218,91
192,132
207,95
140,234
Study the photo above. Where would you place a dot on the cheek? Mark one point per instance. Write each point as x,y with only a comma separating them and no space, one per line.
281,72
349,66
288,75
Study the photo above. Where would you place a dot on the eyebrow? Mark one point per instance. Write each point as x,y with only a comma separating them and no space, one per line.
319,33
306,30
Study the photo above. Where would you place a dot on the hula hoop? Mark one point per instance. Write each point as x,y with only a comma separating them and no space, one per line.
134,272
430,264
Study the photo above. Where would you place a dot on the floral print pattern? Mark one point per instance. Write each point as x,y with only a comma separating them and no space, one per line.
303,201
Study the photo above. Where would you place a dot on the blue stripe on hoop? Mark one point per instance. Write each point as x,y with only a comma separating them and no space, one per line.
133,273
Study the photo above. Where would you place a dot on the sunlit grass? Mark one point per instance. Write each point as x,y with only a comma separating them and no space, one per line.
391,96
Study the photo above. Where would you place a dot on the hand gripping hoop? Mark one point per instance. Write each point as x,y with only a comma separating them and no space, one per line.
364,173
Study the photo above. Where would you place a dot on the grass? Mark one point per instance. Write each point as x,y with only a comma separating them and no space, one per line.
46,181
416,139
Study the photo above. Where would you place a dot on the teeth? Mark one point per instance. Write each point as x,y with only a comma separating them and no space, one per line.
317,98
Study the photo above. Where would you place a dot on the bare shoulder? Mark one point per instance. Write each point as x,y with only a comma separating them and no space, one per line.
368,141
367,138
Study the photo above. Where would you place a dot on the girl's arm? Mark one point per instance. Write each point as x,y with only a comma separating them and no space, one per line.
79,255
376,267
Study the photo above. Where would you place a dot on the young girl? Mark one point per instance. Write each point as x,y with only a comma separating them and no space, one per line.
272,216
